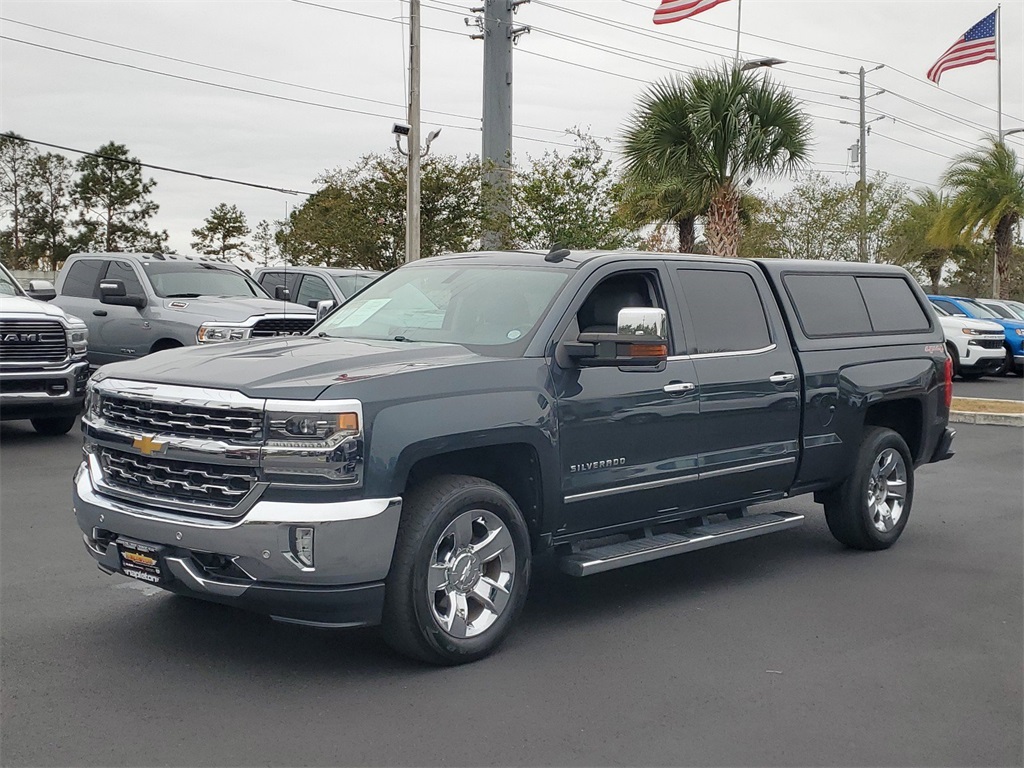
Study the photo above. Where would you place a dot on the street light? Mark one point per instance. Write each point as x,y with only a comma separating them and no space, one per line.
755,63
1004,134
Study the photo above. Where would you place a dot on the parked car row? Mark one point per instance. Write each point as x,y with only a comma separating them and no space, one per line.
1002,318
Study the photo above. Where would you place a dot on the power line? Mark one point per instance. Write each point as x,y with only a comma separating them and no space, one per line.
130,161
912,146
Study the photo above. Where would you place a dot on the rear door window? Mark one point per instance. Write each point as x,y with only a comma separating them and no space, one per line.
725,311
82,279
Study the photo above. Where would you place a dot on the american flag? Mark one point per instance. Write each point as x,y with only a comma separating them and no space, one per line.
978,44
677,10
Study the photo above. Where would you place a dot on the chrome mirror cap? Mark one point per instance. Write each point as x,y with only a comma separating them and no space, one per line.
643,323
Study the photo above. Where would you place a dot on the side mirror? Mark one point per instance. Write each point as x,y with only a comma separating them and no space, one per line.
282,294
42,290
641,341
113,292
324,308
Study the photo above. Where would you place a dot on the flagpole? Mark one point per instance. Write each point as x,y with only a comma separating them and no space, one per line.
739,13
999,73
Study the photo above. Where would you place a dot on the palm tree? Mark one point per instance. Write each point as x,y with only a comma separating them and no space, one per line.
646,200
987,187
915,241
710,132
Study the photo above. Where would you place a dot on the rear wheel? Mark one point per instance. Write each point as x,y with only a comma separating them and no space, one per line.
460,571
870,510
54,425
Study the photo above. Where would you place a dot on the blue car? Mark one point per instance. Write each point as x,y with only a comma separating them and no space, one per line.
1014,329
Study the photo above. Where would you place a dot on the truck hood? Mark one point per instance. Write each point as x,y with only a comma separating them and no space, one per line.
233,309
24,306
298,367
957,323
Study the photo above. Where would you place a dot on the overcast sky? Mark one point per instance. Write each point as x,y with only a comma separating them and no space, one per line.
583,65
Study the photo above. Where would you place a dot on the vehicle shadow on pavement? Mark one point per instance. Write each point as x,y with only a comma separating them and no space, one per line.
194,632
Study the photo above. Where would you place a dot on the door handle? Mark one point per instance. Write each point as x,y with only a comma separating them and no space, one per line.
100,312
676,387
782,378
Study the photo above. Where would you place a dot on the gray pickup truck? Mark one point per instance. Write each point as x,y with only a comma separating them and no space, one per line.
403,462
42,359
138,303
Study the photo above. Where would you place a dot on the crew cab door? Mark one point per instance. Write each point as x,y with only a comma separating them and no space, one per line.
749,383
628,437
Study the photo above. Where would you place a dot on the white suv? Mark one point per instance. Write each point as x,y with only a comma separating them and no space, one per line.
976,346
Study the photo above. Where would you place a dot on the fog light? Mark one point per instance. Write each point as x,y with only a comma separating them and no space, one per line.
302,545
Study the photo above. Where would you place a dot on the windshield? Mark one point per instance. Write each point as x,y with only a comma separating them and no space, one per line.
8,285
488,306
977,310
940,311
190,280
1002,312
1017,307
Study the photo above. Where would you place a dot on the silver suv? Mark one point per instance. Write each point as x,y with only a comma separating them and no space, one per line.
137,303
42,359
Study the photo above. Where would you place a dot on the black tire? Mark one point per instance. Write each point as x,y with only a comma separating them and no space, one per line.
971,375
412,623
1008,366
955,357
54,425
163,344
850,511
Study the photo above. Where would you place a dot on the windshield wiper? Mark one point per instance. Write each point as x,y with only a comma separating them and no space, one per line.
183,295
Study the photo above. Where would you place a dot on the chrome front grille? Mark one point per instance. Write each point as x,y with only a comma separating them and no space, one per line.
218,487
35,341
283,326
183,419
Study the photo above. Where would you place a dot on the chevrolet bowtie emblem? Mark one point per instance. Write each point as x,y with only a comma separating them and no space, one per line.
148,445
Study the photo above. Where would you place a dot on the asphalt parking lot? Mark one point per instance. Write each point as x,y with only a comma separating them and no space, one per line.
781,650
995,387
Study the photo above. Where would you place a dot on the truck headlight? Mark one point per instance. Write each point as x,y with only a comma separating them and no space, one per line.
972,332
311,430
92,401
1019,331
314,444
209,333
78,340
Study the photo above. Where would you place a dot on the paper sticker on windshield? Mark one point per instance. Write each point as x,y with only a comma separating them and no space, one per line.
361,313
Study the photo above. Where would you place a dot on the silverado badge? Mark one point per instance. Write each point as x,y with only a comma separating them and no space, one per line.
148,446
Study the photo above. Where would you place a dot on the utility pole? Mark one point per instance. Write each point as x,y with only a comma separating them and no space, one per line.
499,35
412,200
862,240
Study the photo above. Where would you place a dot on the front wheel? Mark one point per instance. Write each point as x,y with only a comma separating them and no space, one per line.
54,425
460,571
871,508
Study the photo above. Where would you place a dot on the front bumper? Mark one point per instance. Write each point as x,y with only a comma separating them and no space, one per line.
255,566
26,394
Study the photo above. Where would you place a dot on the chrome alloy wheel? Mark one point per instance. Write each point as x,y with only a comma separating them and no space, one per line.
472,567
887,490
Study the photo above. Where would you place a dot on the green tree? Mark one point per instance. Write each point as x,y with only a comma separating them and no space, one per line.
48,208
712,131
572,200
264,240
114,203
820,219
223,233
357,217
987,198
16,157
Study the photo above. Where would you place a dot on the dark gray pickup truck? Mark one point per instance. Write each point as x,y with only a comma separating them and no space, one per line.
404,462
